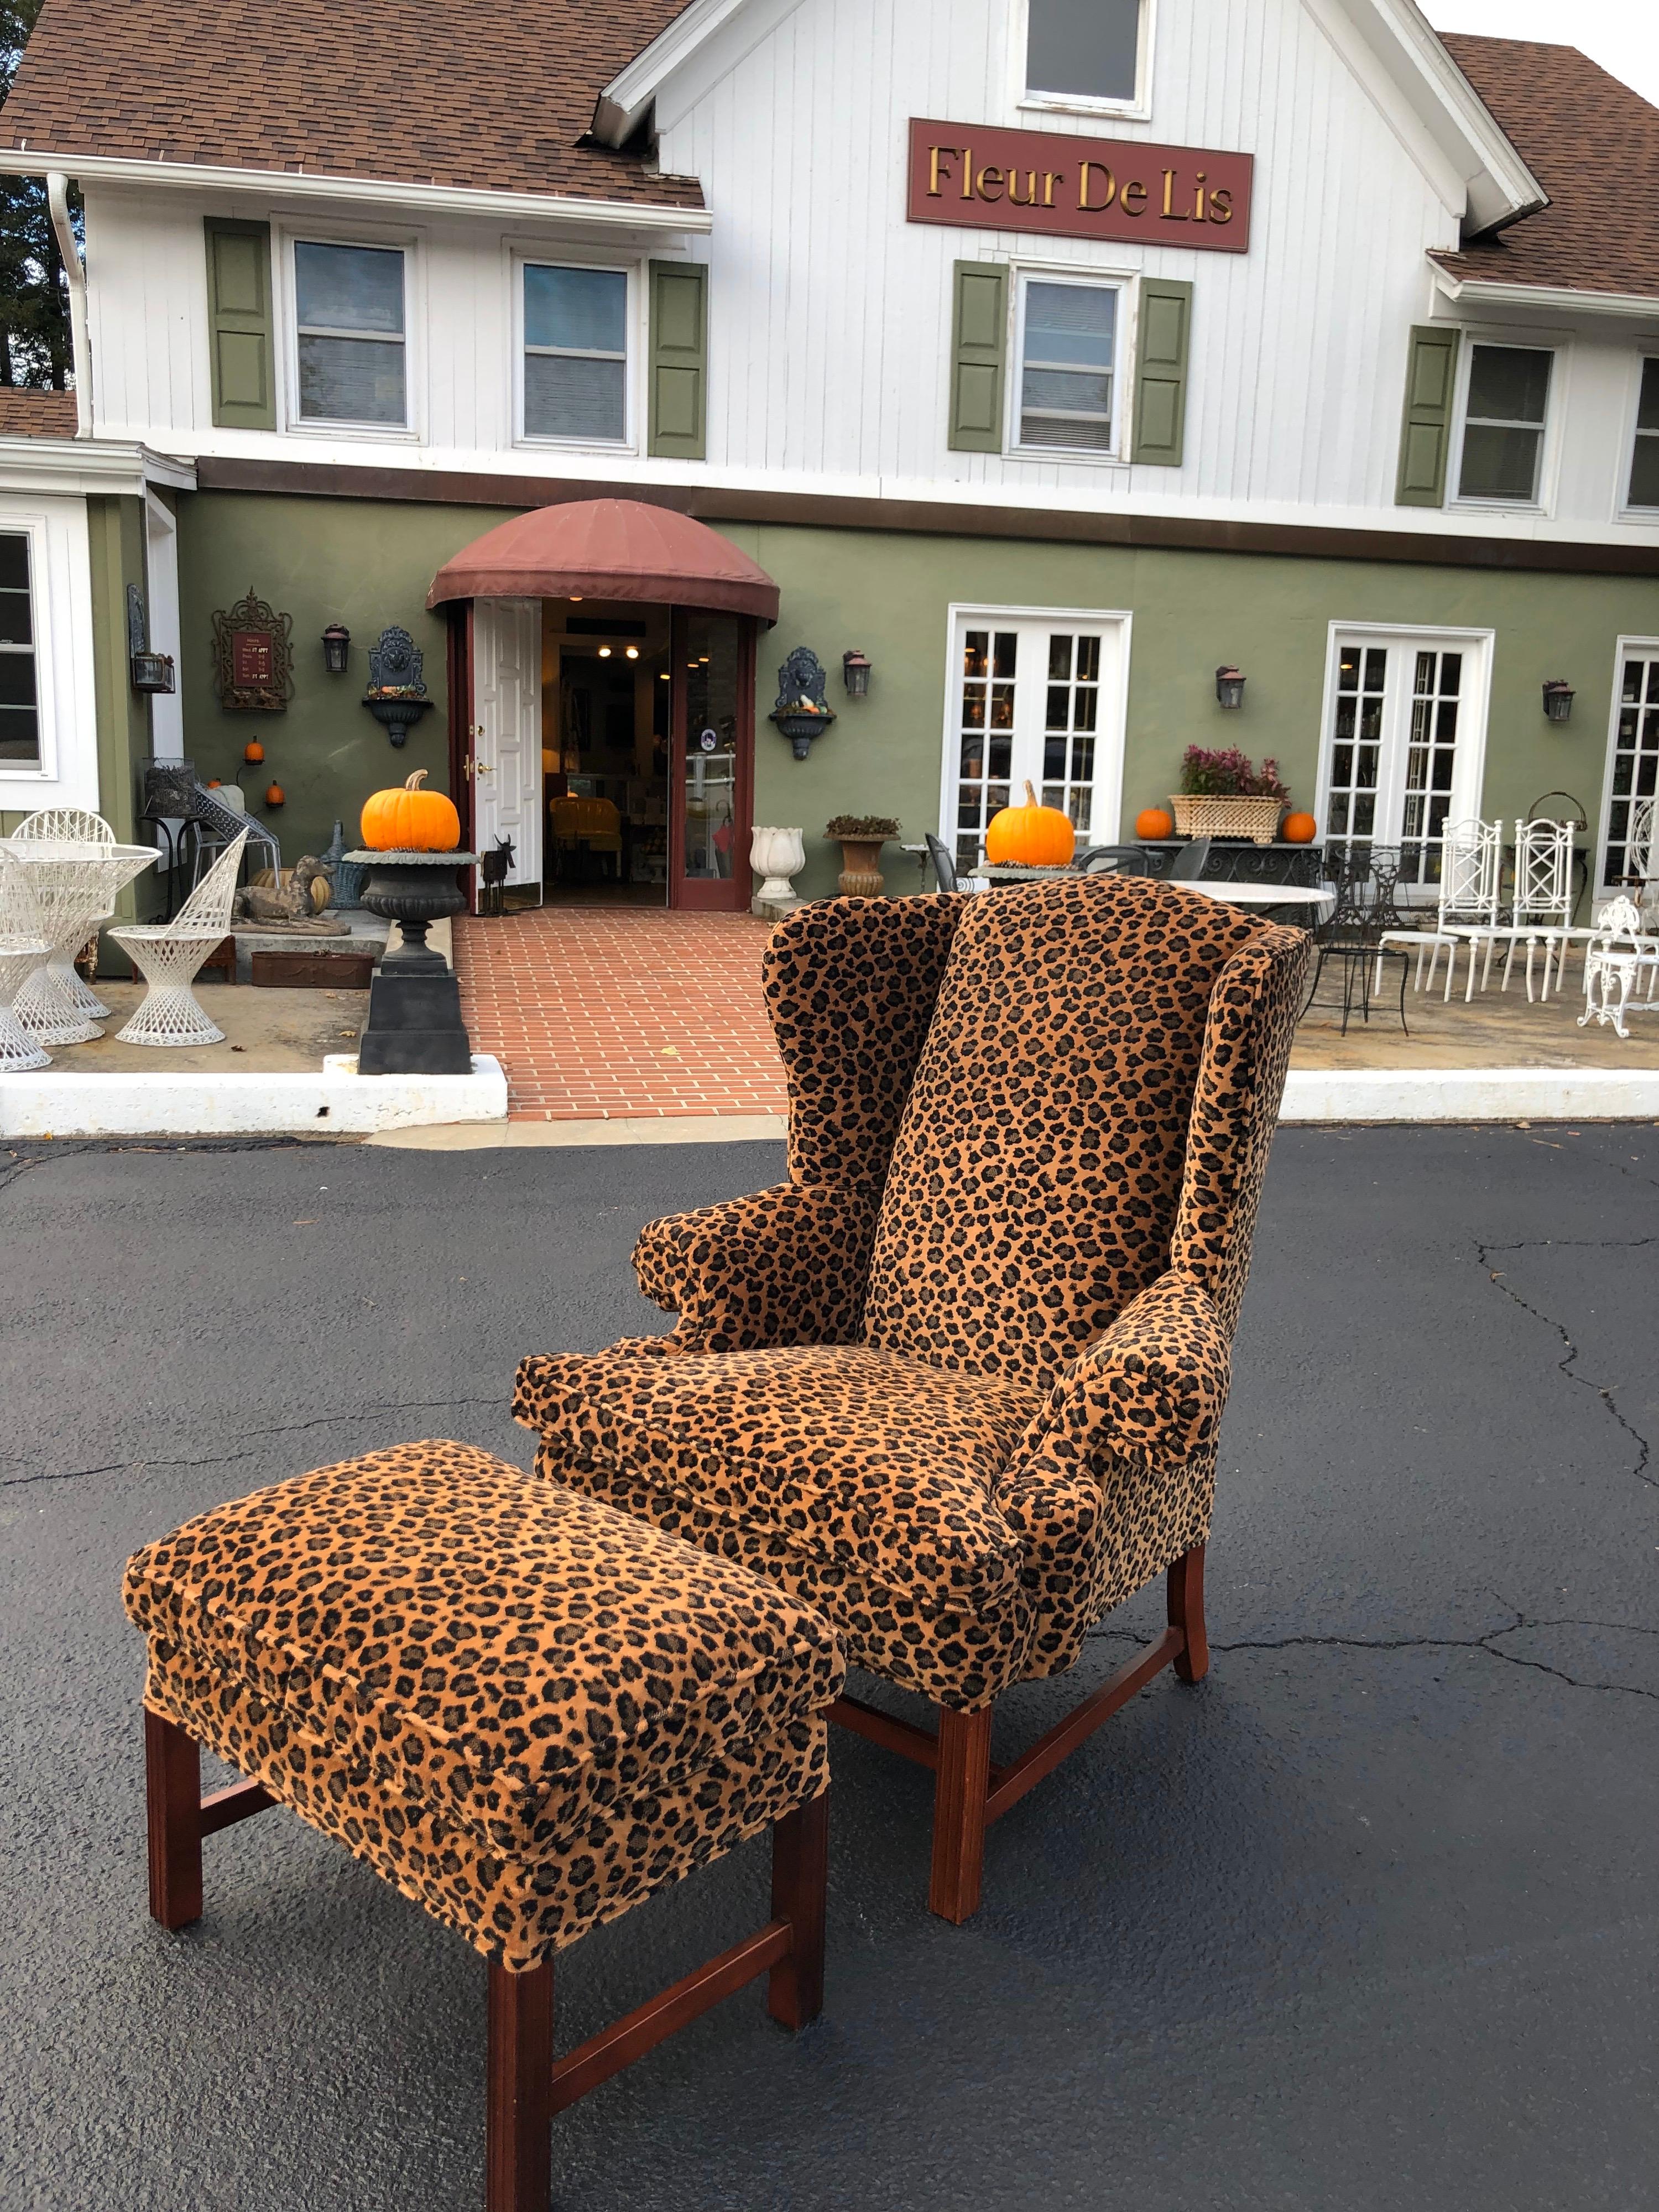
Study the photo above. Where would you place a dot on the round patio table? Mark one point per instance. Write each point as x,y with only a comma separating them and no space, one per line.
1316,903
75,884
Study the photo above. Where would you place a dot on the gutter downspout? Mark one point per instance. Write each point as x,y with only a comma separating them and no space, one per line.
80,344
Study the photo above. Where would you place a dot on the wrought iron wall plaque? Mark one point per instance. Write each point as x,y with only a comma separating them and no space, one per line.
253,657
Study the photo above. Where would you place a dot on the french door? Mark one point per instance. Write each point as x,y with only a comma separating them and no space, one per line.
1632,768
1037,698
1404,743
503,761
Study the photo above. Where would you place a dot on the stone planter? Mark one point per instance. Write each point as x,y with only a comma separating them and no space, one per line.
861,873
775,855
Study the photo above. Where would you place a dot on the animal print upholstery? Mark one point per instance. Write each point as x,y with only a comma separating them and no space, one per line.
1054,1178
525,1710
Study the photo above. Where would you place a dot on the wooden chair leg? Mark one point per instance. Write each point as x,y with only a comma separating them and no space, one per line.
961,1783
518,2154
1186,1613
172,1803
800,1877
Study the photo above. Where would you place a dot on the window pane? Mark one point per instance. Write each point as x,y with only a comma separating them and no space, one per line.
974,653
351,380
19,736
1086,46
1060,657
349,287
1645,473
16,679
1647,411
1508,384
1070,325
583,308
567,397
1499,463
14,562
15,626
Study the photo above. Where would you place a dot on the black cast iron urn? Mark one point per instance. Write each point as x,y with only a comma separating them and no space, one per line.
414,1025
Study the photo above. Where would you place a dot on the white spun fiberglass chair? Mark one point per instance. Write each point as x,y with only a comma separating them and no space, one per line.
22,943
170,953
1471,857
1618,960
73,892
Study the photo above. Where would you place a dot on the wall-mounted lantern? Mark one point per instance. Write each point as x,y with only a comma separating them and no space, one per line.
147,671
337,645
1229,687
1557,699
856,673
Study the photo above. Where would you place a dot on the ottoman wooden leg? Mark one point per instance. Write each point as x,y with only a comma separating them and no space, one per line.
800,1875
517,2154
173,1798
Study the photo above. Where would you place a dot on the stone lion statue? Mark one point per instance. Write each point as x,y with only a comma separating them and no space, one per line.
294,905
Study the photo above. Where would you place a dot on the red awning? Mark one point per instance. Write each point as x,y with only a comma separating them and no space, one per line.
608,548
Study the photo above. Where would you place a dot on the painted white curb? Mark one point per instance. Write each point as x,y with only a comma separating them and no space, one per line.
192,1103
1471,1094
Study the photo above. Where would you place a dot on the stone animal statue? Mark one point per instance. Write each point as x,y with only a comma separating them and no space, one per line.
293,905
492,876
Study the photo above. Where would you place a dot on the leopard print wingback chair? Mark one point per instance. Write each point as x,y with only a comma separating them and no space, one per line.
957,1382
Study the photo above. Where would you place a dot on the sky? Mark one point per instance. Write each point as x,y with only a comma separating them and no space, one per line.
1622,35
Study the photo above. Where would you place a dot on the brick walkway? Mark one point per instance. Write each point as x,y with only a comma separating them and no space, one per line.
597,1012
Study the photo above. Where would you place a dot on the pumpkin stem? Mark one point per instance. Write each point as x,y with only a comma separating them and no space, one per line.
1031,796
414,782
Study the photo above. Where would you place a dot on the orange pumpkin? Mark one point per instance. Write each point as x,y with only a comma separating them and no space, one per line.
1299,830
412,820
1031,835
253,751
1154,823
275,794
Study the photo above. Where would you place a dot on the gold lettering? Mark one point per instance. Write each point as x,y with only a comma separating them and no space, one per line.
939,154
1084,203
1221,205
1198,204
1050,178
967,173
1169,194
1030,197
990,183
1136,192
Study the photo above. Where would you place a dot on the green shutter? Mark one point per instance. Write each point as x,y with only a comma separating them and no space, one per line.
1425,434
979,349
1165,340
242,346
679,360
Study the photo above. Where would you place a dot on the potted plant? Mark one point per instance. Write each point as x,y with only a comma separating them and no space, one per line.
861,838
1223,794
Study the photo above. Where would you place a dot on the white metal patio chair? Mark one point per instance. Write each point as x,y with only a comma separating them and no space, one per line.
1618,958
1471,857
170,954
72,896
23,943
1540,911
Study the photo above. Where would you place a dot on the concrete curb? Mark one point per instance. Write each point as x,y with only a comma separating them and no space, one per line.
191,1104
1472,1094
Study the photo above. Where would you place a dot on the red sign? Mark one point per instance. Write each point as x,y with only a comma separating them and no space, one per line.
252,663
971,175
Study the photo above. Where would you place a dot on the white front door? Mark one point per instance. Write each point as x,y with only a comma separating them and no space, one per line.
507,732
1035,696
1405,742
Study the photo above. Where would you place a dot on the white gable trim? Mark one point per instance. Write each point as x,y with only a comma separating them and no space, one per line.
1475,292
702,43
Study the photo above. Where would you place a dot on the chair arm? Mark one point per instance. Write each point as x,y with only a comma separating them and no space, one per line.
784,1265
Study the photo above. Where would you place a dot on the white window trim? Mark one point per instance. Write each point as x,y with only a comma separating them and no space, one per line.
1625,510
1468,791
1560,349
1123,283
65,691
1648,648
1138,109
411,431
520,257
1114,714
167,708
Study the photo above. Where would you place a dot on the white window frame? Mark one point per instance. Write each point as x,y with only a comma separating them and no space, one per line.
1544,495
1625,507
1136,110
521,257
1646,649
411,430
1025,273
65,689
1110,735
1470,777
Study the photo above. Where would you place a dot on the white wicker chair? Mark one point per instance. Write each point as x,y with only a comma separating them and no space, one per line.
170,953
22,943
54,1005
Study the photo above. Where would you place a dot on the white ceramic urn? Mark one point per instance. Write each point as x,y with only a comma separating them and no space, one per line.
777,855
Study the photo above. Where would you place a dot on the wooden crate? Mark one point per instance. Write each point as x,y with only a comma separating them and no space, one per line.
313,971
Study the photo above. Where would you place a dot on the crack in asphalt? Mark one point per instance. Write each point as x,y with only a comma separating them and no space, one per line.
1643,1450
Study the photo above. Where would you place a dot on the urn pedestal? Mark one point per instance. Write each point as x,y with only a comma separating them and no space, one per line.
414,1025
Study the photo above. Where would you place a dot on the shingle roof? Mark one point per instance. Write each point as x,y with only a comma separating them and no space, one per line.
491,94
1594,145
29,413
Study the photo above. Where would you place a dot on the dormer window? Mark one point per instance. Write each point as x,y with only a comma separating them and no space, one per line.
1083,52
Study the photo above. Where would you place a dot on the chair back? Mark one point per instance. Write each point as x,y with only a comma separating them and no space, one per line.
1038,1171
1543,873
1119,861
1642,860
65,825
208,908
1471,856
944,868
1188,864
20,910
1618,922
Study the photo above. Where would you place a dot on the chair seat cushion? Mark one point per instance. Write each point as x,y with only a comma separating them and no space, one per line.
525,1709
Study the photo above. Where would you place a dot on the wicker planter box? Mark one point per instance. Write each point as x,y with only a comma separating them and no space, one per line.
1257,819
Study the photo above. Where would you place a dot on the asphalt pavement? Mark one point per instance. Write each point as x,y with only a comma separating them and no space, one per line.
1365,1922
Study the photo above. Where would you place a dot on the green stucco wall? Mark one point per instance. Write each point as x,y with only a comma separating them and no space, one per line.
368,565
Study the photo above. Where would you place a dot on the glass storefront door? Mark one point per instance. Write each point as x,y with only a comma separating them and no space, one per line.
710,804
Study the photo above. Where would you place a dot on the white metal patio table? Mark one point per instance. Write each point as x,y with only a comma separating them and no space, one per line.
75,884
